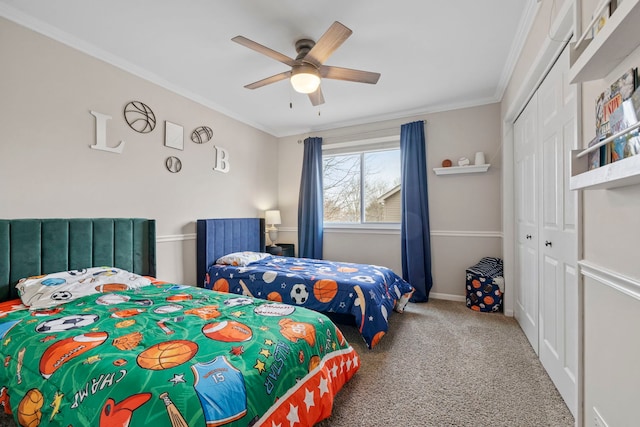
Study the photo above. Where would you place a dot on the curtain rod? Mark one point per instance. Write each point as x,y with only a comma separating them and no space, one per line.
359,134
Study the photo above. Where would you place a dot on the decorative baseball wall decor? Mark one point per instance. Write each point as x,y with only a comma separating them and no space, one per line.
139,117
173,164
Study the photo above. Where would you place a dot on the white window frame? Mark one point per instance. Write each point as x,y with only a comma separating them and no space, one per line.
383,143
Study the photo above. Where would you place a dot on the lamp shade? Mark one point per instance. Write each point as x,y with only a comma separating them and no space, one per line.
272,217
305,78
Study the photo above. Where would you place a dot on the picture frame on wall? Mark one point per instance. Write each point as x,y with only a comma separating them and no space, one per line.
173,135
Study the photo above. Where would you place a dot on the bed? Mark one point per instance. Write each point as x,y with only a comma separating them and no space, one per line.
369,293
105,343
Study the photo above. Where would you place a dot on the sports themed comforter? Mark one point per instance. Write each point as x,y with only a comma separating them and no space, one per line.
368,292
168,355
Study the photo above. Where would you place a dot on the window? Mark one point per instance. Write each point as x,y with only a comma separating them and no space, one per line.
361,184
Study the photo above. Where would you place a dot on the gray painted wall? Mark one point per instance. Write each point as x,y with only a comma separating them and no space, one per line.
465,209
49,170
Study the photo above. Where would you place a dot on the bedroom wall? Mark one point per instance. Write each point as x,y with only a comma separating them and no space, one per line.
49,170
465,213
610,271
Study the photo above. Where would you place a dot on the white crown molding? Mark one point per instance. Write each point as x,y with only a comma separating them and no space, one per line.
613,279
524,26
38,26
406,114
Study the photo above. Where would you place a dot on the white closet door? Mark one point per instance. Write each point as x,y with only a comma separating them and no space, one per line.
558,243
526,219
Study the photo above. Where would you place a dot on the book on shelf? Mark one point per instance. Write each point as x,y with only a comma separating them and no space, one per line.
623,117
593,157
612,98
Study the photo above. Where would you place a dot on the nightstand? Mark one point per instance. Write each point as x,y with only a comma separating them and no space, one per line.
273,250
282,249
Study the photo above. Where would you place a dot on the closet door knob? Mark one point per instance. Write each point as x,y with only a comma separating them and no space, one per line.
528,236
547,243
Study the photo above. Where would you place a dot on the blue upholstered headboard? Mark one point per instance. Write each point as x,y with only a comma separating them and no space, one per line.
30,247
218,237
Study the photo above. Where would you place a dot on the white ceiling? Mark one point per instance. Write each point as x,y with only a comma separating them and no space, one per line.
432,55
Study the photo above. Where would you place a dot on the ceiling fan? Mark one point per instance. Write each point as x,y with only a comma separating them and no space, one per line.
308,67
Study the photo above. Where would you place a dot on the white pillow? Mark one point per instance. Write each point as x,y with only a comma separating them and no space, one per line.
241,259
59,288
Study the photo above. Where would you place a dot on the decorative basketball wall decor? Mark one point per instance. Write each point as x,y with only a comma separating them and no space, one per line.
139,117
201,134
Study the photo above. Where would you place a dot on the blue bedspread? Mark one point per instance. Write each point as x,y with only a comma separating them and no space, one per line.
368,292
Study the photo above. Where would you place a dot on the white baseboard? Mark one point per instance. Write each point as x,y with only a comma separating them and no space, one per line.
448,297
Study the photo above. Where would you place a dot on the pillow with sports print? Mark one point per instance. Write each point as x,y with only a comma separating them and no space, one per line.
241,259
54,289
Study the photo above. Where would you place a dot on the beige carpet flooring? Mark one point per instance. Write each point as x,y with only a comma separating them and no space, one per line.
442,364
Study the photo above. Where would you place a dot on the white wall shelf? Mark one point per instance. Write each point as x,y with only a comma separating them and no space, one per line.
617,174
461,169
593,60
615,41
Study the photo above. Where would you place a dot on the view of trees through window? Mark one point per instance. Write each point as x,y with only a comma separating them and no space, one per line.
362,187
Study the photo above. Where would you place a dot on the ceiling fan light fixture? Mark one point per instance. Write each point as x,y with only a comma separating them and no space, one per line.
305,78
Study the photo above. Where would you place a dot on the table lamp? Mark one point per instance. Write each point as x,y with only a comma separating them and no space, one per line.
271,218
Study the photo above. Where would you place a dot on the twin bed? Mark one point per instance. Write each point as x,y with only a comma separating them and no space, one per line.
104,343
231,258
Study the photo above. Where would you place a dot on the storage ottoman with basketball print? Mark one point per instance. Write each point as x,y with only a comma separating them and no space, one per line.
485,285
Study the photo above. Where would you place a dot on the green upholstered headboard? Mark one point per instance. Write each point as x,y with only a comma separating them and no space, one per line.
30,247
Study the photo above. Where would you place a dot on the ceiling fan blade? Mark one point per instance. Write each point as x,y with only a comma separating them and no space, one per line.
327,44
269,80
339,73
264,50
316,97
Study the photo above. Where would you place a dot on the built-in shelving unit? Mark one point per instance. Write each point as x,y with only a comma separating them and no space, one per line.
592,60
461,169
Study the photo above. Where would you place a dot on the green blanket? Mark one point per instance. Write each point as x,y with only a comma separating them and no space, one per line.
170,355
